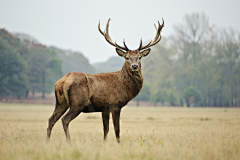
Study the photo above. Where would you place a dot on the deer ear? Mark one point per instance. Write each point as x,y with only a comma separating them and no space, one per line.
145,52
120,52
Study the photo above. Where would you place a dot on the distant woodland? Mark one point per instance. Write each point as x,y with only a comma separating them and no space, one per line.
199,65
28,66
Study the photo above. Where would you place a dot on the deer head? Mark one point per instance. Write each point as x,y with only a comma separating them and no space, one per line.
133,57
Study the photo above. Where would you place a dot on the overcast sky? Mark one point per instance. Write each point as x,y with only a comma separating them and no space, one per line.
72,24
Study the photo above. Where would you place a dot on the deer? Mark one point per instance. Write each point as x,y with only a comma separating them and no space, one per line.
102,92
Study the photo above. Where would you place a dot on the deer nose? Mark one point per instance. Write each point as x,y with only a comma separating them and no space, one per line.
135,66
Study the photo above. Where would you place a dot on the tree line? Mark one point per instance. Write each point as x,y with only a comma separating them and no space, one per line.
199,65
28,66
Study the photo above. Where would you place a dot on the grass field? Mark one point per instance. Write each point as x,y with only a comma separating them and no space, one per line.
146,133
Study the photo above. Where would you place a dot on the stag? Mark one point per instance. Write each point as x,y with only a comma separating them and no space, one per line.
104,92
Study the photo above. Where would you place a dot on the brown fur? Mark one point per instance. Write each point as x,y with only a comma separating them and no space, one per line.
104,92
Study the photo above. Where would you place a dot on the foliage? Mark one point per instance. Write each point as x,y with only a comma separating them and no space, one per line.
172,99
144,94
73,61
114,63
192,95
13,79
13,65
160,96
197,55
28,66
44,68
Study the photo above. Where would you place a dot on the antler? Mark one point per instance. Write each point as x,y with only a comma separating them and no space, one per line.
108,38
156,39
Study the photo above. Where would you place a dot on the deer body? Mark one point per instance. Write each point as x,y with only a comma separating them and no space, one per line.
98,92
104,92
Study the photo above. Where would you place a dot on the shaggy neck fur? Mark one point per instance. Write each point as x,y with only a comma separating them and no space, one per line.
132,80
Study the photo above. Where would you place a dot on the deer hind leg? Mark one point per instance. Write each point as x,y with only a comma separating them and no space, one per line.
116,117
105,119
67,119
58,112
77,99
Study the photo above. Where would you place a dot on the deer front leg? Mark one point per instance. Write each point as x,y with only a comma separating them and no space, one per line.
105,119
116,118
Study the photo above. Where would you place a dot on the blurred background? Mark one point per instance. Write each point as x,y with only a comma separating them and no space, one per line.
197,62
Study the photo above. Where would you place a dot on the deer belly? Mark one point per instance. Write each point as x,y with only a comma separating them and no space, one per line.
90,108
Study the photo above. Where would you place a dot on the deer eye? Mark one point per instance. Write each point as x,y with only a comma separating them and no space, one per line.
127,58
140,57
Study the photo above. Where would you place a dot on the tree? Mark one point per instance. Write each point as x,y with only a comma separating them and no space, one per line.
192,95
73,61
197,55
13,80
45,68
171,99
189,37
228,56
160,96
144,94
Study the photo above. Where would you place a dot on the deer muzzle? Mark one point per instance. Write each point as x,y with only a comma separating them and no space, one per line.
134,67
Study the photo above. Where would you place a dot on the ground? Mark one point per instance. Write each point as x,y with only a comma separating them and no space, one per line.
146,133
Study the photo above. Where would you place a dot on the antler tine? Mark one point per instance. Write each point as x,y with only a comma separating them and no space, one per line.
120,47
100,29
144,47
106,35
157,37
108,38
155,26
162,22
140,46
125,44
158,33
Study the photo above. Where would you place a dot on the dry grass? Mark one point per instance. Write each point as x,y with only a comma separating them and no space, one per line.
146,133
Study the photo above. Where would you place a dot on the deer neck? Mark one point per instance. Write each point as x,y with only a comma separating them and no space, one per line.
132,80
